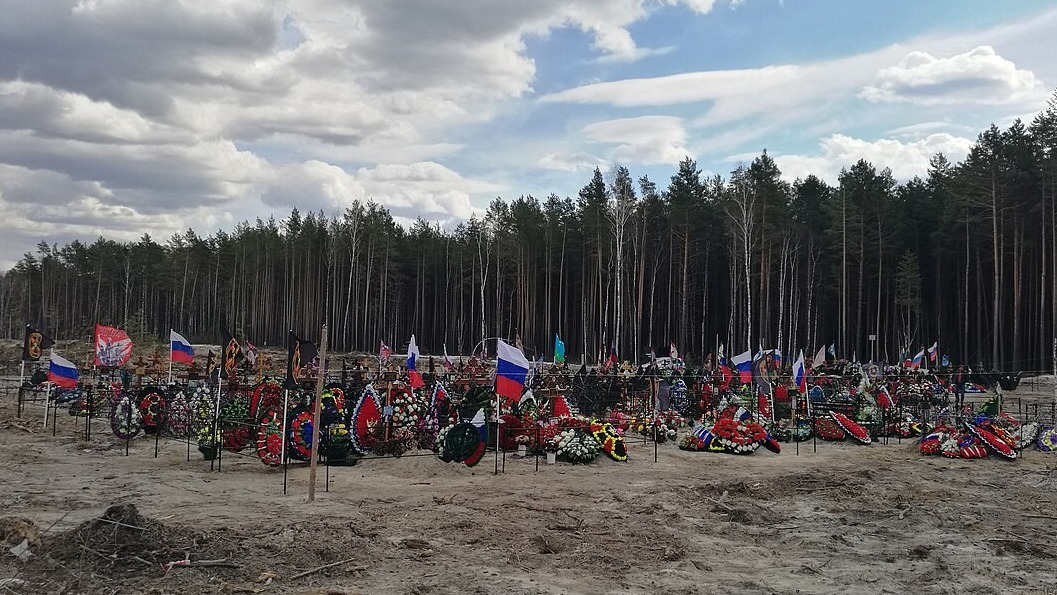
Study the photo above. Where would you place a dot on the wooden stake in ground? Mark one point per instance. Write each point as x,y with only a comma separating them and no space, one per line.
315,414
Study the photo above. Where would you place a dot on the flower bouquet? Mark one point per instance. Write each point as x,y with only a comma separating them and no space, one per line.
827,429
178,418
739,436
1047,440
267,396
235,417
270,439
692,442
438,446
400,441
577,446
300,434
152,409
332,406
407,408
125,419
611,439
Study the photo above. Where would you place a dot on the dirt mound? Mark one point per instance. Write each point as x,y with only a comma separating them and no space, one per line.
122,542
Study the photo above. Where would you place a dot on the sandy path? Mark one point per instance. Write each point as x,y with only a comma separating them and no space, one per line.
846,519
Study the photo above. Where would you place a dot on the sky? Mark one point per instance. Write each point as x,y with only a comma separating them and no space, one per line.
125,117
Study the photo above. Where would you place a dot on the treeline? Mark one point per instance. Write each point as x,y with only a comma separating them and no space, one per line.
965,257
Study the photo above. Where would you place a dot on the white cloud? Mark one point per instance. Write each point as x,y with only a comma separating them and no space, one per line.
411,190
919,130
570,162
790,93
178,113
905,159
642,140
977,76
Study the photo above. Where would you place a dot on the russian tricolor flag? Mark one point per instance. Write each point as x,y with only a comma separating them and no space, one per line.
412,362
743,364
181,351
800,374
918,359
510,371
62,372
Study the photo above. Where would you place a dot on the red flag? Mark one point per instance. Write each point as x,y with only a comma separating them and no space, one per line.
113,347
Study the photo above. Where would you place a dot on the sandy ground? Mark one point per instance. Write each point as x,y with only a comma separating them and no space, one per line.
844,519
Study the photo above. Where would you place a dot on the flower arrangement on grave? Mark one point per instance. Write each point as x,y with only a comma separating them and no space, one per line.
366,422
610,439
549,437
463,444
268,395
1047,440
235,419
178,418
400,441
851,429
152,409
866,413
828,429
528,418
668,424
335,442
692,442
576,446
1025,435
125,419
1011,431
408,409
962,445
300,434
80,404
679,396
907,427
475,399
270,439
932,443
984,435
332,406
510,430
739,436
203,410
787,431
620,420
438,447
439,412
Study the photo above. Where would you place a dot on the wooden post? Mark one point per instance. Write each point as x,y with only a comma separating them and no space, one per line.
315,415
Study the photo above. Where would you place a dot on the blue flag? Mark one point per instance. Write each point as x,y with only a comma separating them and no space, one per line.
559,350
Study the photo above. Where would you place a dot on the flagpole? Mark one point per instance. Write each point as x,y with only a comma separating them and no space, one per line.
170,356
496,420
286,408
216,412
315,414
47,402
